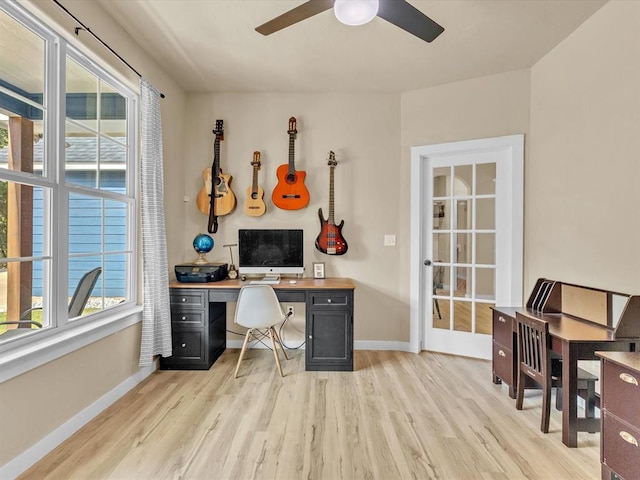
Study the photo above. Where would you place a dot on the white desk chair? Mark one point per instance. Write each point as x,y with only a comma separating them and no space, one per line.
258,308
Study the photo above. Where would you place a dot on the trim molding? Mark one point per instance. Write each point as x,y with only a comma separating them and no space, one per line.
36,452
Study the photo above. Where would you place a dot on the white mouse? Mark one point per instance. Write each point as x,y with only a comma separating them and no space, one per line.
292,281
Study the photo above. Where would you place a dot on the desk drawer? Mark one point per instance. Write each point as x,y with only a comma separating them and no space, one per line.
621,392
187,318
502,328
503,363
330,299
190,298
620,450
187,346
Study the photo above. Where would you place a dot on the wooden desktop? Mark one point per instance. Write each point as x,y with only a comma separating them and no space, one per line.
199,320
582,320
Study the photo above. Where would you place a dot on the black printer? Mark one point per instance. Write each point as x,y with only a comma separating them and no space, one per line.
201,273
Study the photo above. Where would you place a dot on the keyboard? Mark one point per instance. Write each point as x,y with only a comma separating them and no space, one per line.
264,282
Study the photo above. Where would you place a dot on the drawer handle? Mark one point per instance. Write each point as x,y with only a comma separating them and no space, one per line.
627,437
501,353
501,319
183,345
328,300
625,377
184,299
184,318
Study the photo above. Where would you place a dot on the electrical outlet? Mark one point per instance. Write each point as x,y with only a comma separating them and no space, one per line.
291,311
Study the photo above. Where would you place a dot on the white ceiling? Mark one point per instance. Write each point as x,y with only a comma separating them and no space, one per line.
211,45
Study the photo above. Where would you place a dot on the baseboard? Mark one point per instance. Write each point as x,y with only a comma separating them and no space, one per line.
358,345
29,457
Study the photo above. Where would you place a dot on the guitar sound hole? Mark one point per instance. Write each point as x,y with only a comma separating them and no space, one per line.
254,195
291,178
217,181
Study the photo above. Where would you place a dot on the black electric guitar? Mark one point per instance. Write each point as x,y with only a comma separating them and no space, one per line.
330,239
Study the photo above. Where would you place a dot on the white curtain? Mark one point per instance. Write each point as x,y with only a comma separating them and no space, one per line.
156,318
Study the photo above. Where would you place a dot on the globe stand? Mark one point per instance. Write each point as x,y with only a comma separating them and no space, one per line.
201,260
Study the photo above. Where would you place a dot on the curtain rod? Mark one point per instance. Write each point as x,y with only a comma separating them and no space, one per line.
88,30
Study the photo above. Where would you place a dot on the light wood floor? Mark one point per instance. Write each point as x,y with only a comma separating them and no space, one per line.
398,416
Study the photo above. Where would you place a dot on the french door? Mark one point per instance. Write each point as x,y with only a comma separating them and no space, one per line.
466,241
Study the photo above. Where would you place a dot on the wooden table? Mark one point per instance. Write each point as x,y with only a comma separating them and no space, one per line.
574,340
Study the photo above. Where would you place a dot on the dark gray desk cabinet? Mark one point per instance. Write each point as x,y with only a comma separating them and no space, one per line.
198,330
329,330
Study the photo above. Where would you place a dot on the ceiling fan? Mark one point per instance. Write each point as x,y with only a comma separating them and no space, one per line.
357,12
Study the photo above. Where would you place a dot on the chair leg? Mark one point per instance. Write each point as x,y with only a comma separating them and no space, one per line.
435,302
279,342
273,333
546,408
520,394
244,347
559,398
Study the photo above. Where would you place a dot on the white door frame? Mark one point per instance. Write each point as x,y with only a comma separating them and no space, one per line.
509,292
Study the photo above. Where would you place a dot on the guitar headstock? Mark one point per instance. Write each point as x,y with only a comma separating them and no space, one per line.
292,126
219,132
332,159
255,163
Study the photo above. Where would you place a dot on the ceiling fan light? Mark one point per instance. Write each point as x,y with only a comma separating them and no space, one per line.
355,12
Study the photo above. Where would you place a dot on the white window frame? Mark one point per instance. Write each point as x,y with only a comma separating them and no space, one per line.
30,351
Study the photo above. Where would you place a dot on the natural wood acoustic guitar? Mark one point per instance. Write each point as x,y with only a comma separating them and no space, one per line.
290,193
254,205
216,198
330,239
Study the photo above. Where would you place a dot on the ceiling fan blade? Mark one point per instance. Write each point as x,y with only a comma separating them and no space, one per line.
304,11
409,18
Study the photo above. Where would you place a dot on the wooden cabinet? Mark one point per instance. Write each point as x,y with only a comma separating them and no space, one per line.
620,415
198,330
504,359
329,330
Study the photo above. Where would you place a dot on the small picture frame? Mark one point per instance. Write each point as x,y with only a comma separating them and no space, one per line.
318,270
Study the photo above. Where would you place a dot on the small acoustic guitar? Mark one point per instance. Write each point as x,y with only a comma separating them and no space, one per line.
330,239
290,193
216,198
254,206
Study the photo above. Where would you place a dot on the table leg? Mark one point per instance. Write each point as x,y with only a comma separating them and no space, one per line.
569,394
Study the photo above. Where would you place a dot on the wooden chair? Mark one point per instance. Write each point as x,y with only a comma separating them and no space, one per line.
538,369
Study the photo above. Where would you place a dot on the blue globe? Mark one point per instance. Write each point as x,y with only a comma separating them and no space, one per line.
203,243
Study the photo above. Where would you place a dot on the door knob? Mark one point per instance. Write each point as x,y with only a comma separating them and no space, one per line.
427,263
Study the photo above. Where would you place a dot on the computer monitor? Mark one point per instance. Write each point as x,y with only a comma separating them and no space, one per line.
270,252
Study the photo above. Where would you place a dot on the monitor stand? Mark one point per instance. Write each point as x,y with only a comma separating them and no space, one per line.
267,280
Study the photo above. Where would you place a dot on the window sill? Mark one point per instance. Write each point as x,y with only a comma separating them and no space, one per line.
27,356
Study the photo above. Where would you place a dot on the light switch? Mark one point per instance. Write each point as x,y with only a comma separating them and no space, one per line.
389,240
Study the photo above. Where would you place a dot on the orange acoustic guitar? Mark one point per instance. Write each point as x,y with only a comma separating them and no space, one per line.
254,206
223,199
290,193
330,239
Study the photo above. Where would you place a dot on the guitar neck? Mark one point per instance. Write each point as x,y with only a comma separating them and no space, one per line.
254,184
292,168
331,219
216,157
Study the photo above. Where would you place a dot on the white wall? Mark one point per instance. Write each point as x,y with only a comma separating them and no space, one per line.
582,174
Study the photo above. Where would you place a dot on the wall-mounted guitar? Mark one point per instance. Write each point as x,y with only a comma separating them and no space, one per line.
330,239
216,198
254,206
290,193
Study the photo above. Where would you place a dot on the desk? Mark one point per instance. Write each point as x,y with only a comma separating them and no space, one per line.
198,321
575,340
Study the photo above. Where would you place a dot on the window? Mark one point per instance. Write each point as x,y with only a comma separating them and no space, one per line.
67,182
